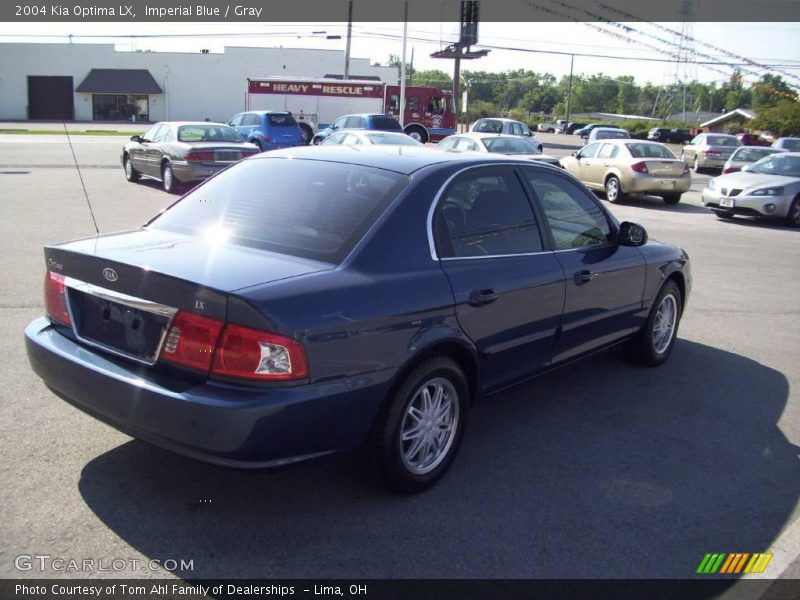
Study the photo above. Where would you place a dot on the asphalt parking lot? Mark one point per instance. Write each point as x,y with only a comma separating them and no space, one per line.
601,470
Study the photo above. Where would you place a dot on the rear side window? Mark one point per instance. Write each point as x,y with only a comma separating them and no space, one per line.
281,120
386,123
354,123
249,120
307,208
485,212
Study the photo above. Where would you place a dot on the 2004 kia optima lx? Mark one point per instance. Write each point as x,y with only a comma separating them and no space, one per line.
314,300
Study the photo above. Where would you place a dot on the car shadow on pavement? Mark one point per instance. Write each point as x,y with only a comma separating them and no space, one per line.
601,470
760,223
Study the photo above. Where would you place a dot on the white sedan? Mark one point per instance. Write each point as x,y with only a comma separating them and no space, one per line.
509,145
767,188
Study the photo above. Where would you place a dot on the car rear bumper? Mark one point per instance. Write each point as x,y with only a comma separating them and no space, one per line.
223,424
189,172
653,184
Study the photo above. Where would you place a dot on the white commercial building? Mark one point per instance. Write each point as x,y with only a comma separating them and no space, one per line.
95,82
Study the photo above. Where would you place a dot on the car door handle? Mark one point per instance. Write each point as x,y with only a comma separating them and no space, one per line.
482,297
582,277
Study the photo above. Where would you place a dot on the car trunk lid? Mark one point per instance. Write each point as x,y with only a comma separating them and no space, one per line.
123,290
218,153
665,168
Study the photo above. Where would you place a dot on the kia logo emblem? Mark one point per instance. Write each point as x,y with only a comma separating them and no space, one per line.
110,274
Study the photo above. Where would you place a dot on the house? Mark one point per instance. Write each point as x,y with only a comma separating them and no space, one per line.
735,118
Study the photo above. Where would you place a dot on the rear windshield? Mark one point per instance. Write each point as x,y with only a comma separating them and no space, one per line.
752,154
611,135
387,123
488,126
281,120
791,144
399,139
307,208
649,151
721,140
207,133
509,145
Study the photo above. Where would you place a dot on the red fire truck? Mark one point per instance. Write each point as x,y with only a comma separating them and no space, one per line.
316,103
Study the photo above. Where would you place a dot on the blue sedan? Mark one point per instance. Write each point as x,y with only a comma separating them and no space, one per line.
311,301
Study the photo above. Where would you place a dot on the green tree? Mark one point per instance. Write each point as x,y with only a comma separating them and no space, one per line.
783,119
770,90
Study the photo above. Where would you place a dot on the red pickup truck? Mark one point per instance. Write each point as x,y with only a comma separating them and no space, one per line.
748,139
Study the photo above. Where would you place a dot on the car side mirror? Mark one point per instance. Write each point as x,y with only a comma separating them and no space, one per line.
136,138
631,234
576,154
529,133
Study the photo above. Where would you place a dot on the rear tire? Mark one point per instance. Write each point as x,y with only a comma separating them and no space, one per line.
131,174
168,181
613,190
308,133
417,133
257,143
653,344
724,214
418,434
672,199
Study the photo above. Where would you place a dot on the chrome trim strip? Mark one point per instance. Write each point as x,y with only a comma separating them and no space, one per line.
448,258
136,303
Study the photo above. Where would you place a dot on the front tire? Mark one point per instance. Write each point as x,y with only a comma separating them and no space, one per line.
613,190
417,437
653,343
672,199
793,218
131,174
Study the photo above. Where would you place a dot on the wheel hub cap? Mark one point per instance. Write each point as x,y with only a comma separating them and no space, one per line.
429,426
664,324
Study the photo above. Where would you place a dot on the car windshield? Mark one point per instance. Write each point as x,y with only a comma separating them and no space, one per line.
386,123
281,120
649,151
722,140
207,133
306,208
777,164
752,154
509,145
399,139
488,126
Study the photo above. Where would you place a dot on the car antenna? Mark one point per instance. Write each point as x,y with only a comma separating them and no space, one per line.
80,176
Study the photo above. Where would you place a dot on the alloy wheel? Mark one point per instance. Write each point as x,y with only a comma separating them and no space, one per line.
429,426
664,324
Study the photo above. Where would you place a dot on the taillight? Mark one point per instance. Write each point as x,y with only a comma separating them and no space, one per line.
639,167
252,354
210,345
191,341
55,298
713,153
199,156
265,136
685,169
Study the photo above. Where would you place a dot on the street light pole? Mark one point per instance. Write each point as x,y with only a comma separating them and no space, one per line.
349,35
569,88
402,108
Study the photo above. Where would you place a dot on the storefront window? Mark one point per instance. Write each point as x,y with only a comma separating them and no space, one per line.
120,107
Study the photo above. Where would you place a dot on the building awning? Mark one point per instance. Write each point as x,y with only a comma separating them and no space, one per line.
119,81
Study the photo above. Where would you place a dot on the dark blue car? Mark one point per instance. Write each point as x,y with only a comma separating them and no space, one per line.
269,129
316,300
376,122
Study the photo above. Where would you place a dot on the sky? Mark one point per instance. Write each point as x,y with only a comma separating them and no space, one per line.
773,45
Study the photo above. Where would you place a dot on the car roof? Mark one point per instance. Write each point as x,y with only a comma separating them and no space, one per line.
480,135
400,159
178,123
371,114
266,112
503,119
606,128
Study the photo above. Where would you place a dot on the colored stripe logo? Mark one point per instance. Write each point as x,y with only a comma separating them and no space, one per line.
734,563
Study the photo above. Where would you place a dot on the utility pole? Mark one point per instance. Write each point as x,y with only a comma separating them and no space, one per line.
569,87
349,36
403,67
